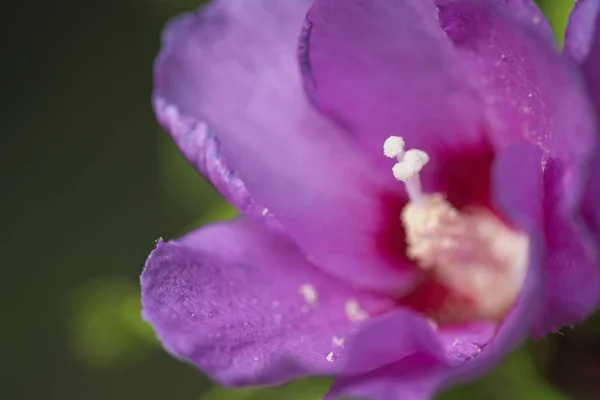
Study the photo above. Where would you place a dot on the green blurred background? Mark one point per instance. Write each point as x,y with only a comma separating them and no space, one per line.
91,182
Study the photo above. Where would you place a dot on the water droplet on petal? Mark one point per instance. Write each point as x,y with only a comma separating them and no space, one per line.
309,293
354,312
337,341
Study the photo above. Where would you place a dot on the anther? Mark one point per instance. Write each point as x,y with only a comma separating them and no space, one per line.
409,164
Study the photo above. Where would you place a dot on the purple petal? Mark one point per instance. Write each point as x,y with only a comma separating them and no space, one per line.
591,68
385,67
380,65
202,148
245,307
575,260
414,378
528,12
231,70
461,354
581,30
530,92
591,210
403,333
421,375
573,256
583,44
560,120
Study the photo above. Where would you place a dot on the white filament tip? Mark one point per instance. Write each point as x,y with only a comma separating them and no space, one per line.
393,147
411,164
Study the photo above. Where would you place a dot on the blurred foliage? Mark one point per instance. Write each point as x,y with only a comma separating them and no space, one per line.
184,192
305,389
95,182
557,12
516,378
105,325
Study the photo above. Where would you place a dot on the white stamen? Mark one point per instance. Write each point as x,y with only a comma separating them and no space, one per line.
409,164
473,254
393,147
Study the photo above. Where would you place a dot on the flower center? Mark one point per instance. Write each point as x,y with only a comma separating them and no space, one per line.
471,252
